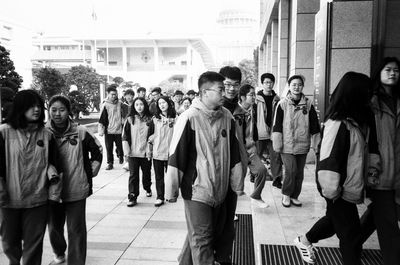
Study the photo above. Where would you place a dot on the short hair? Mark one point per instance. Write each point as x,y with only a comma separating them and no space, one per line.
156,89
129,92
141,89
191,92
112,88
23,101
209,77
178,92
244,90
171,112
231,72
295,77
187,98
63,99
269,76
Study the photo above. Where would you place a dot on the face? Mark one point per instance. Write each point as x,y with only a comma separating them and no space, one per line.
250,97
186,104
58,113
142,94
33,113
268,85
296,86
191,96
178,98
231,88
139,106
129,98
155,95
112,95
163,105
390,74
213,95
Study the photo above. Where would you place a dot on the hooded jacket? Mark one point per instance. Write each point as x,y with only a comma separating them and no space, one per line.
75,145
204,156
264,131
135,135
159,142
112,117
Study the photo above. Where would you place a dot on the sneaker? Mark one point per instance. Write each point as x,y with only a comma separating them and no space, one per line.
158,203
277,183
260,203
58,260
235,218
307,253
296,202
148,194
131,203
109,167
126,166
285,201
121,160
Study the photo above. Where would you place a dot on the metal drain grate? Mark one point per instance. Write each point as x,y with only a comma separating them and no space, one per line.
243,246
288,255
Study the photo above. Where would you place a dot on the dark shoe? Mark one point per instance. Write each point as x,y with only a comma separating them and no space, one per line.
158,203
252,178
277,183
148,194
131,203
121,160
109,167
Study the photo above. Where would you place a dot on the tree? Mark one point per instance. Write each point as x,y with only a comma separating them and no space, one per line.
118,80
8,76
49,82
88,83
248,69
168,87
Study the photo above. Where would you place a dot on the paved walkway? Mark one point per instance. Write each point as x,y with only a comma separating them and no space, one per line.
146,235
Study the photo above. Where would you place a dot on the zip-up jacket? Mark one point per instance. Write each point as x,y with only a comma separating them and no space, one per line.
294,126
204,156
80,157
343,159
30,173
264,131
112,117
135,136
159,142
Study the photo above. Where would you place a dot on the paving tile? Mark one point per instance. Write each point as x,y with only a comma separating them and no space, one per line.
159,238
151,224
144,262
107,246
155,254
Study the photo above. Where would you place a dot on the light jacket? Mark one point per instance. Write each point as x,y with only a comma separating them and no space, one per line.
264,131
291,131
343,157
112,117
135,136
388,134
204,156
30,174
75,145
158,143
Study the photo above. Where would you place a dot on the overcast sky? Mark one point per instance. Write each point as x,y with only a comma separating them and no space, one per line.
74,17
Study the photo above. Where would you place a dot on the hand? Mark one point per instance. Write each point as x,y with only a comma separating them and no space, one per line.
372,179
101,134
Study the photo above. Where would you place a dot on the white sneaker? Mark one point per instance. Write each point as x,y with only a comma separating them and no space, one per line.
285,201
307,253
296,202
126,166
260,203
58,260
158,203
235,218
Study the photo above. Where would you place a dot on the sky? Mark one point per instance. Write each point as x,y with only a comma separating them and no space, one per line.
74,17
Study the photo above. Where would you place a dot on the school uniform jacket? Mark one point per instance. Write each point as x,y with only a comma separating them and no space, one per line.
80,157
264,131
135,136
204,156
112,117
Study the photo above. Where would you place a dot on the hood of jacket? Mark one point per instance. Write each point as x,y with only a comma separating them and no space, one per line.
212,115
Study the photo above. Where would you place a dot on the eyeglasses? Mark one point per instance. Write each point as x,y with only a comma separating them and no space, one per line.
268,82
229,85
251,95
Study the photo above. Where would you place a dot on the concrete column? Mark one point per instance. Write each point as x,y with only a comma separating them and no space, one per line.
392,36
93,55
156,59
268,63
124,62
283,40
274,48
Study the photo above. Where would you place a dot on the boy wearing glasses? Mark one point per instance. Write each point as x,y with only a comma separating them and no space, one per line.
204,132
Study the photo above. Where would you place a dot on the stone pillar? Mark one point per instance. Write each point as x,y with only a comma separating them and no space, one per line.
274,48
283,43
392,36
268,63
124,62
156,61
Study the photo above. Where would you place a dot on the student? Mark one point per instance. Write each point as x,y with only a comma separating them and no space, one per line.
159,142
186,102
141,92
155,94
177,99
112,117
191,94
295,129
381,214
80,158
30,175
340,169
129,95
204,161
266,101
137,129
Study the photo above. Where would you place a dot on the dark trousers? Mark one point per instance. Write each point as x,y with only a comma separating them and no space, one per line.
260,173
382,216
341,219
134,164
109,141
294,174
275,158
160,167
75,214
22,232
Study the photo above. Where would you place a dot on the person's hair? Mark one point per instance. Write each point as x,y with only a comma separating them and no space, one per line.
178,92
376,76
112,88
146,111
269,76
129,92
191,92
231,72
157,90
171,113
23,101
209,77
140,89
187,98
295,77
63,99
350,99
244,90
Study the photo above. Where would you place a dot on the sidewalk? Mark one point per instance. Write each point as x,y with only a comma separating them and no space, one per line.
147,235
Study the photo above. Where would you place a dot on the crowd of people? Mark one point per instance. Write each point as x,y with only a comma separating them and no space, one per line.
204,144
